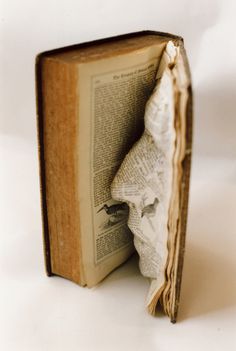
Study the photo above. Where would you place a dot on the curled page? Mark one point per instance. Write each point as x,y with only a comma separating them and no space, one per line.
144,180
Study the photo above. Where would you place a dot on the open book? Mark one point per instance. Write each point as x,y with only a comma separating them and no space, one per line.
114,125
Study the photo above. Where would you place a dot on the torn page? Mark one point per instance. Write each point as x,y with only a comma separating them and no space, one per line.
144,180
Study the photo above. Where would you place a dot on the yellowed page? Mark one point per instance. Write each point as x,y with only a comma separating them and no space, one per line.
112,96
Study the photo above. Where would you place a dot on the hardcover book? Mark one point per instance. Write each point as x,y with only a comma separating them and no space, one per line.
115,133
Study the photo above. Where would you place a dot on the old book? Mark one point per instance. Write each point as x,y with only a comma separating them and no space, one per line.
115,129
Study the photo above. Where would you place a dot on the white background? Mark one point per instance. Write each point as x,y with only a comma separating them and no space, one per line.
40,313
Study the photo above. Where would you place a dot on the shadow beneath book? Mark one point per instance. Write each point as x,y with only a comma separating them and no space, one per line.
128,270
209,283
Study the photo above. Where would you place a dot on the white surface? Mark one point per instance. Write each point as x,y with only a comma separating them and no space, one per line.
38,313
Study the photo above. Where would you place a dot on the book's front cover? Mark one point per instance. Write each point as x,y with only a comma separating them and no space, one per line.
184,192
